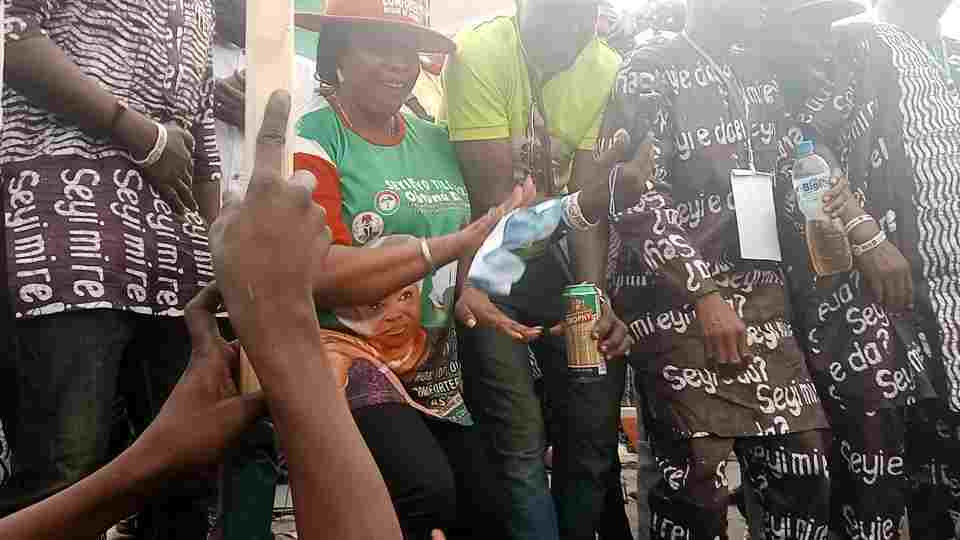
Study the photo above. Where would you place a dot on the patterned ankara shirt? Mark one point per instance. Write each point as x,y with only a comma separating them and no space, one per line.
682,237
85,230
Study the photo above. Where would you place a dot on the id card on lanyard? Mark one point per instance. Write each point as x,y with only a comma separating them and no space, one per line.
752,189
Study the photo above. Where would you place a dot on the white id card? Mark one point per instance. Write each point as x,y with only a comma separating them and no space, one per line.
756,215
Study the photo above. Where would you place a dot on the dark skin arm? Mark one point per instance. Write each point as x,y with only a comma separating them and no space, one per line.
588,250
41,71
488,171
202,417
267,251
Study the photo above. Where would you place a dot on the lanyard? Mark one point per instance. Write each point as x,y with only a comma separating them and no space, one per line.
733,88
550,173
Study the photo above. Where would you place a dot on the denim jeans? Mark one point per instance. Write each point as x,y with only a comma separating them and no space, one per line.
499,389
70,368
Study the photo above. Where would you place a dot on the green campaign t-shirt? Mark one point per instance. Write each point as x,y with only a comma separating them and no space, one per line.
403,348
488,95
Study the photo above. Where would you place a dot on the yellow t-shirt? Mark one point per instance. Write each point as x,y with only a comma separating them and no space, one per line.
487,94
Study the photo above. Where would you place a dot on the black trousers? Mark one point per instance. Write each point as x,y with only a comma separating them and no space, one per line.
435,472
70,369
500,391
8,392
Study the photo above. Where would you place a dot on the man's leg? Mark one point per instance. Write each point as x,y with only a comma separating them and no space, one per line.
933,458
154,362
868,474
586,418
499,390
614,524
789,474
648,474
690,501
67,379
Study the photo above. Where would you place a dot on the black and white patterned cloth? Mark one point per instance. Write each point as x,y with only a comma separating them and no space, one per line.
85,229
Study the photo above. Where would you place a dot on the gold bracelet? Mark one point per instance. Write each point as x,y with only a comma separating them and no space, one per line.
427,256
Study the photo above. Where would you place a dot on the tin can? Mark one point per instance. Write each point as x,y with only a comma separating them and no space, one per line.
583,310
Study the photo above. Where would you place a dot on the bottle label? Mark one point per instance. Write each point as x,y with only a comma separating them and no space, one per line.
810,191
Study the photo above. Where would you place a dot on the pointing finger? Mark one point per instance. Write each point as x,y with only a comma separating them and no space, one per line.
269,156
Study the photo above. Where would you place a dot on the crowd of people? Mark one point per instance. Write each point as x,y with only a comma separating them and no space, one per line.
142,267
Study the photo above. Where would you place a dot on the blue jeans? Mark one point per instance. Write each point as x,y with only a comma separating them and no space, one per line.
500,393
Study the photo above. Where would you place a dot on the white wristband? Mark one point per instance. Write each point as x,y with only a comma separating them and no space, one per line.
158,147
869,245
573,214
856,222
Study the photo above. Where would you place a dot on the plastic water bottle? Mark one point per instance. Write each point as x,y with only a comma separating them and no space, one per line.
827,242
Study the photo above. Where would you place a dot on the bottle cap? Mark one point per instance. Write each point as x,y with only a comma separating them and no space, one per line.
805,148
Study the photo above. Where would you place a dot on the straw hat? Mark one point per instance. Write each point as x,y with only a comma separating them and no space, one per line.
411,17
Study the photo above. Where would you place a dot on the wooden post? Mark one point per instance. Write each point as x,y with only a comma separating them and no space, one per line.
270,67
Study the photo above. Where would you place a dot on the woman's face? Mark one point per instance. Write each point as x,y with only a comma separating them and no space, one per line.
395,320
379,68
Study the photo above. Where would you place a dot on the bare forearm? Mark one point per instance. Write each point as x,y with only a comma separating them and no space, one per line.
589,248
589,253
488,172
89,507
332,472
381,270
42,72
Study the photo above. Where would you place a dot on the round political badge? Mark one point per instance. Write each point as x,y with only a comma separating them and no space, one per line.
367,226
387,202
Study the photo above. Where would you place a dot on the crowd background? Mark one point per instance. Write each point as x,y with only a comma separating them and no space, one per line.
205,101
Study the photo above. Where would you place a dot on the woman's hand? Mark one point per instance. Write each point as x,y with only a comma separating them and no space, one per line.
473,235
474,308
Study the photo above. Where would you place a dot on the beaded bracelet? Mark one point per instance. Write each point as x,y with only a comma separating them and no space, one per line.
856,222
869,245
573,214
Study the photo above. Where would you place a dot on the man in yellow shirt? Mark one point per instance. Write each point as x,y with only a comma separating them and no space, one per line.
524,98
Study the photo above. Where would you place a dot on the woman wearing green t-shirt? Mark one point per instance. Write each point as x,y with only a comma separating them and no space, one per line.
397,181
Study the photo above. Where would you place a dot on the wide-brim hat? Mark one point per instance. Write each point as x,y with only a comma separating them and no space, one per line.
825,10
410,17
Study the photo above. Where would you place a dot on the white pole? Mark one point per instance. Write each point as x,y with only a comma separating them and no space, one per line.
270,67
